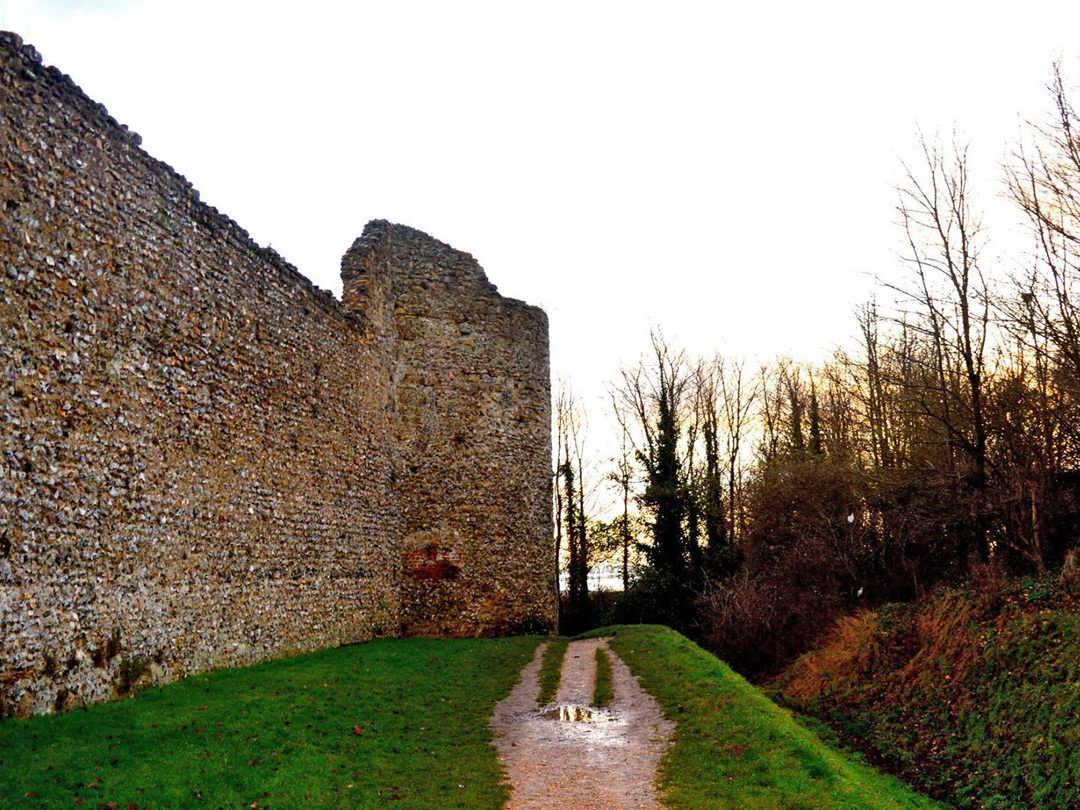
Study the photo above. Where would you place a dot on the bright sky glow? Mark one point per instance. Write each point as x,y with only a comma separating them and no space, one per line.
725,171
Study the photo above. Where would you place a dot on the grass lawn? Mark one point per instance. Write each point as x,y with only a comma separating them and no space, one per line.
400,723
733,747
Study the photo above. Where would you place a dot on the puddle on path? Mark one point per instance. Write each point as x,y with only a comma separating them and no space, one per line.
569,713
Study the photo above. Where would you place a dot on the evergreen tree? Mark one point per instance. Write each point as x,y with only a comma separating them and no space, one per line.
797,442
665,494
717,547
577,590
817,448
655,398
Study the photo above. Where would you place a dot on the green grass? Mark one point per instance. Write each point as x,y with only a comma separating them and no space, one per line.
733,747
603,690
400,723
551,669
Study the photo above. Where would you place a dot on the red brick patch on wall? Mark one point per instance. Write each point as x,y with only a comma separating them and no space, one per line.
431,562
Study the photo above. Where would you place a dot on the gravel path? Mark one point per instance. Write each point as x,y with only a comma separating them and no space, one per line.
605,763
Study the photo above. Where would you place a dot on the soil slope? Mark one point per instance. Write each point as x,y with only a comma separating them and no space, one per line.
972,695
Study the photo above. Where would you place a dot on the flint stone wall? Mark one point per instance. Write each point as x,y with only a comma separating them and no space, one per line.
472,422
207,461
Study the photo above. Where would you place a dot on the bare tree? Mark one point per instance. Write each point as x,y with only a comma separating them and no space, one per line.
1044,320
773,409
740,395
1045,183
623,477
873,388
951,301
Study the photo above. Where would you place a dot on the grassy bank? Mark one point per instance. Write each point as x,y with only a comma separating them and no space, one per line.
973,694
551,669
733,747
603,688
398,722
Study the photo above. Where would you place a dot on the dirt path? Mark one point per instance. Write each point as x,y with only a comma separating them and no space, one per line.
606,763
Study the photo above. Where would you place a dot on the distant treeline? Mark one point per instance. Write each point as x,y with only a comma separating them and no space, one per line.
765,502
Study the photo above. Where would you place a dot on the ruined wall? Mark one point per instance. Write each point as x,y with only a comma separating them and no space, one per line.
205,460
195,449
472,394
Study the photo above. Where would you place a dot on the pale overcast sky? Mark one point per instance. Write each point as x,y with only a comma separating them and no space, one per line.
723,171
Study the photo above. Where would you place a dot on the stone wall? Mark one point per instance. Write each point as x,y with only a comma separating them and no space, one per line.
207,461
472,399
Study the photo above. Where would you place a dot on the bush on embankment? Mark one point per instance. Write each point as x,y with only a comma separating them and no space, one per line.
972,695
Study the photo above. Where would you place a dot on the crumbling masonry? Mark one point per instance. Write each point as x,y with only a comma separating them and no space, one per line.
207,461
